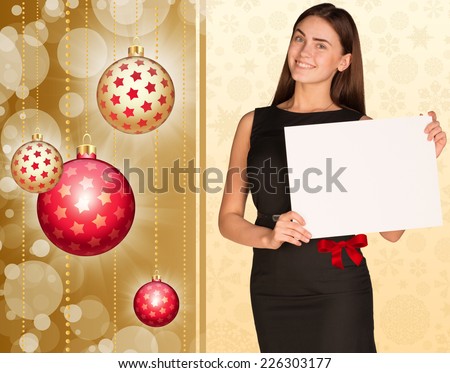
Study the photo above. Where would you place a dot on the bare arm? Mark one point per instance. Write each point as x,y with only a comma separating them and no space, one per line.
392,236
232,224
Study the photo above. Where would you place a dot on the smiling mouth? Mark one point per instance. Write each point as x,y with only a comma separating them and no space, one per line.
304,65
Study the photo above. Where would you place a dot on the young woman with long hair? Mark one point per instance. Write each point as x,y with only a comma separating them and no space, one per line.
300,301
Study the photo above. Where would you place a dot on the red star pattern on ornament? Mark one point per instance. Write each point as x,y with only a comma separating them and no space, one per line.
142,123
150,88
157,117
138,91
129,112
118,82
156,303
36,166
146,106
133,93
115,99
86,214
136,76
162,100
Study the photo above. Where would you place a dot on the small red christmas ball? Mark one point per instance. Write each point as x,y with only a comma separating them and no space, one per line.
135,94
36,166
92,208
156,303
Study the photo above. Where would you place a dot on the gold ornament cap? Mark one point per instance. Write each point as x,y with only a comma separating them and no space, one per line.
156,276
37,137
135,50
86,150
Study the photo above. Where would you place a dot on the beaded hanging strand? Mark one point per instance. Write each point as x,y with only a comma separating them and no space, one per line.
184,246
37,67
136,32
115,163
155,173
68,138
86,81
67,80
23,117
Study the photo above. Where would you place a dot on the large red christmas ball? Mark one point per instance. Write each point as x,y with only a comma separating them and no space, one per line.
36,166
135,94
156,303
91,209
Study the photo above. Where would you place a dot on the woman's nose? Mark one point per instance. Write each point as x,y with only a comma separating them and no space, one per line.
305,49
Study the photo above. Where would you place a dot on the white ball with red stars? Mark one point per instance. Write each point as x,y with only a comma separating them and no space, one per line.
135,95
156,303
92,208
36,166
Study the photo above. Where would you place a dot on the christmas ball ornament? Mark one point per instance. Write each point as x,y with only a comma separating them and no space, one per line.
91,210
36,166
135,94
156,303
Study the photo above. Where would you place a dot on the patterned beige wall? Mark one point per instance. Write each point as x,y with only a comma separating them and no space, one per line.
406,48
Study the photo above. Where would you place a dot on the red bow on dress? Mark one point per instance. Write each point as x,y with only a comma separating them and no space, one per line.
350,246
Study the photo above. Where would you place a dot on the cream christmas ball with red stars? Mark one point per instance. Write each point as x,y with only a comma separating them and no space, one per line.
36,166
135,94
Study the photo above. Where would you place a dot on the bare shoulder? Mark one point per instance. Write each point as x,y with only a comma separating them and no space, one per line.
241,142
365,117
244,128
247,120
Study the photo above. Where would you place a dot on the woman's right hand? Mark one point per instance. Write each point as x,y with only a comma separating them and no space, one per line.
289,228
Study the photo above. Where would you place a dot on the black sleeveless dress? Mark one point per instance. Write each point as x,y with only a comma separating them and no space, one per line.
300,301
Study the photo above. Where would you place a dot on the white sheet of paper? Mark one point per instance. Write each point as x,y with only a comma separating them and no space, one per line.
390,176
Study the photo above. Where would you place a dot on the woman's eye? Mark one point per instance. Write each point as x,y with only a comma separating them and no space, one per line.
322,46
299,39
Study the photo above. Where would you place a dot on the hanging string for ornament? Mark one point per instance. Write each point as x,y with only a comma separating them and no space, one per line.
184,246
135,94
115,273
36,166
92,208
155,157
156,303
67,289
37,68
68,80
136,23
86,79
23,248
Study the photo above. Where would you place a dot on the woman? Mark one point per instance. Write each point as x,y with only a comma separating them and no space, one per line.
300,301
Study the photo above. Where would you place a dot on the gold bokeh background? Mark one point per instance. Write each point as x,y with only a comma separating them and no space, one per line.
406,51
92,305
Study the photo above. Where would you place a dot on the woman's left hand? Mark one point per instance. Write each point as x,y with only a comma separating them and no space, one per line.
436,134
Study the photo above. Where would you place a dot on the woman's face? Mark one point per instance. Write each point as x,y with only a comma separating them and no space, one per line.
315,53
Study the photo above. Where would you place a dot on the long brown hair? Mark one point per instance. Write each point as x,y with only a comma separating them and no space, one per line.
347,87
